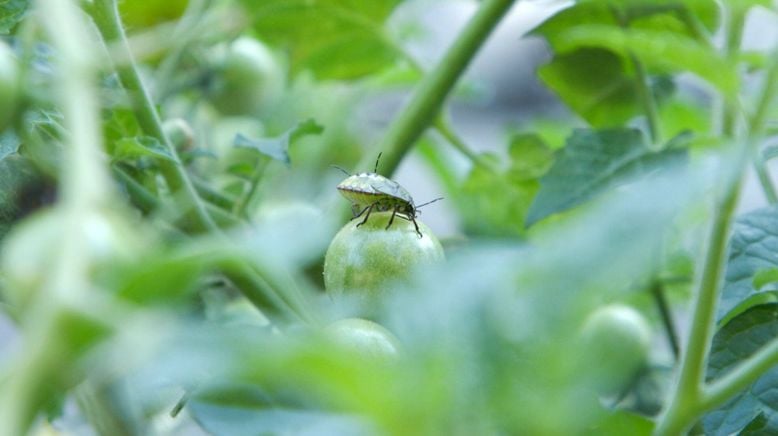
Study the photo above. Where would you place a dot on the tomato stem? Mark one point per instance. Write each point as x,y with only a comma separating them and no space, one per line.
105,15
431,93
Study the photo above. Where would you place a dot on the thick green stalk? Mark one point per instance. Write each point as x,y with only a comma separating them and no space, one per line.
428,98
105,15
684,405
690,397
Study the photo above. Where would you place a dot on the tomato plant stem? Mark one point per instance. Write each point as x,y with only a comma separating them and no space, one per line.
105,15
658,292
443,126
684,406
757,125
245,199
435,87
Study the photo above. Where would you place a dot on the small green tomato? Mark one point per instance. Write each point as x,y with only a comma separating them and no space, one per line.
367,339
9,85
616,343
368,260
248,78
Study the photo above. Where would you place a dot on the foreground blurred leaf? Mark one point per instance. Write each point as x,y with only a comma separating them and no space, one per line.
336,39
598,86
278,148
757,406
753,248
11,12
250,412
594,161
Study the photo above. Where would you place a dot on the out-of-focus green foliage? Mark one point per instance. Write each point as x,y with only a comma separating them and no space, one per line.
193,265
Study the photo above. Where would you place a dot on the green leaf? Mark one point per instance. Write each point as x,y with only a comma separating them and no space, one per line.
9,143
495,204
592,162
230,420
753,247
620,423
11,13
530,157
660,51
757,406
659,15
598,85
140,146
158,279
278,147
335,39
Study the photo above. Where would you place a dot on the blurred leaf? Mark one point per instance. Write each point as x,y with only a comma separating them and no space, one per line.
11,13
258,416
336,39
770,152
530,157
598,85
158,278
592,162
140,146
620,423
753,247
660,15
22,188
660,51
678,116
734,342
495,203
120,123
9,143
278,148
150,12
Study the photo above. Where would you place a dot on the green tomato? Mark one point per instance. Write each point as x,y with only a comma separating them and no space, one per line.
368,260
367,339
9,85
616,345
248,78
30,250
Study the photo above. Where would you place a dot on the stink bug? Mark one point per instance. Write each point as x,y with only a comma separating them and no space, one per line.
372,191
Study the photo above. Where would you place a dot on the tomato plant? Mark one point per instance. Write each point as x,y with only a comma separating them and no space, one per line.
170,252
9,84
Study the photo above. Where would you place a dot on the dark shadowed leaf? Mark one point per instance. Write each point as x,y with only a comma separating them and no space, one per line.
753,248
594,161
598,85
11,12
756,407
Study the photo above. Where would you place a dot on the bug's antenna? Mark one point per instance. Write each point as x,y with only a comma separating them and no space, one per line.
375,170
431,201
339,168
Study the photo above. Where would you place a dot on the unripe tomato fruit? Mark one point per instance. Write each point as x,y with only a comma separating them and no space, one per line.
368,260
31,248
9,85
367,339
247,78
616,343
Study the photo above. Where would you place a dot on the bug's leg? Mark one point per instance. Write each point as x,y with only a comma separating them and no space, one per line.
368,209
356,212
391,220
417,226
